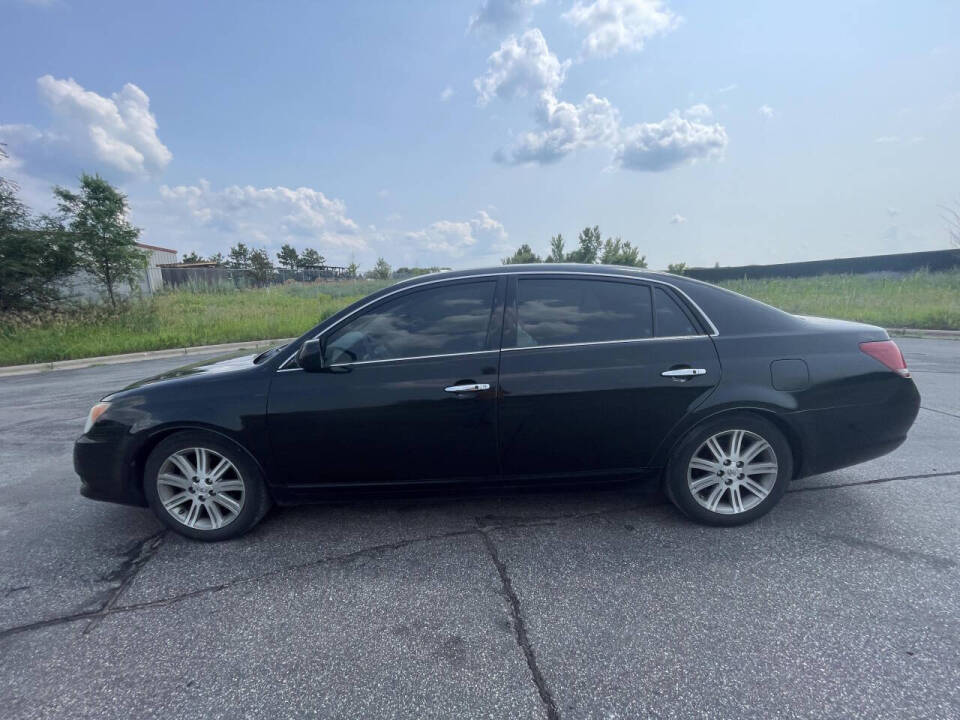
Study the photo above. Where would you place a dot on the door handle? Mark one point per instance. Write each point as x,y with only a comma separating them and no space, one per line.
472,387
684,372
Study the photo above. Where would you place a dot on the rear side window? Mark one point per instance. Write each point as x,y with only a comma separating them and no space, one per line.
672,321
564,311
445,320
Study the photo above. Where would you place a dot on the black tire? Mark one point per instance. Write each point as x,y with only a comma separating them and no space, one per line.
256,499
677,487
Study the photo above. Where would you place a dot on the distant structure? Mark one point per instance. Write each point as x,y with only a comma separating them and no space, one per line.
82,285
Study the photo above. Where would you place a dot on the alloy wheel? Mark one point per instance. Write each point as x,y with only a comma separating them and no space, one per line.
732,471
200,488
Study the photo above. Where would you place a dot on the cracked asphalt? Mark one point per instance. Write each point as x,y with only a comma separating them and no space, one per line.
843,602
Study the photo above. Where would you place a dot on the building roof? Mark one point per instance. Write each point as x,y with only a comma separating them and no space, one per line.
154,247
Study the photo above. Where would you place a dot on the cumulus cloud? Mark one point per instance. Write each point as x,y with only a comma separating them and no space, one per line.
453,238
566,127
620,25
520,67
446,93
201,217
766,111
501,15
119,132
677,219
525,67
668,143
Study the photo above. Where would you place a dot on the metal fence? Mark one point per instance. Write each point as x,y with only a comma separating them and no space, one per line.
933,260
176,277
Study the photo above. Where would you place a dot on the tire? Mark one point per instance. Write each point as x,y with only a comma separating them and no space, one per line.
738,494
195,494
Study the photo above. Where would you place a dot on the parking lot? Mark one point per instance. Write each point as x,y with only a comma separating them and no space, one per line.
843,602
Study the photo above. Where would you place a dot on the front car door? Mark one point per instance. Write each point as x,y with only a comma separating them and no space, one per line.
581,373
409,394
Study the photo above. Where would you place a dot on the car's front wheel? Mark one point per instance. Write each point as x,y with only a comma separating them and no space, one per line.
730,470
204,487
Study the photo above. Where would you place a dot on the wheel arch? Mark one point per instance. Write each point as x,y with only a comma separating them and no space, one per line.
778,420
138,460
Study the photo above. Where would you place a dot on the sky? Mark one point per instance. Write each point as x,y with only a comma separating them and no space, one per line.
447,133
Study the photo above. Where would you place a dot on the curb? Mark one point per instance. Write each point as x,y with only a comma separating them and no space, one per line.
928,334
81,363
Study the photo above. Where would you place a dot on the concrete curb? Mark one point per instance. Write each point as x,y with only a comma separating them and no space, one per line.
258,344
929,334
137,357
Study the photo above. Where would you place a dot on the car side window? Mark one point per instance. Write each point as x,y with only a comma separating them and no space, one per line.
672,321
448,319
552,311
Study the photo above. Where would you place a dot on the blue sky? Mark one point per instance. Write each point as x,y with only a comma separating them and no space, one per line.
447,133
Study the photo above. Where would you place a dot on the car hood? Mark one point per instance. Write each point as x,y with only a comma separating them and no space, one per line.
210,366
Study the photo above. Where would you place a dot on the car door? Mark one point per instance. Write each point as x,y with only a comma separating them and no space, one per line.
408,394
594,373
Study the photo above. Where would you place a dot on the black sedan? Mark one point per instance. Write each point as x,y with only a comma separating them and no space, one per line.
503,376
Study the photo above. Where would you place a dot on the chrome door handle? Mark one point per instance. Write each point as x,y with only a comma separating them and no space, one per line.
473,387
684,372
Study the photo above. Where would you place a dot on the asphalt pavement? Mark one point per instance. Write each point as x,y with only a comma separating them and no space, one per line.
843,602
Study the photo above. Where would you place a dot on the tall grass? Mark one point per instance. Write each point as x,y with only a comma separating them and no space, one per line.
916,300
206,315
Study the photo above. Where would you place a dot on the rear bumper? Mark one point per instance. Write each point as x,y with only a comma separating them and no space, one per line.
103,472
838,437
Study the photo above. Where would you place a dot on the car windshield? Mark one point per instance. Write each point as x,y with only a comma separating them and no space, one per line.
269,353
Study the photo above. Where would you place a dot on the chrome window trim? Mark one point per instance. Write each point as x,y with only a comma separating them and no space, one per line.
713,328
604,342
402,359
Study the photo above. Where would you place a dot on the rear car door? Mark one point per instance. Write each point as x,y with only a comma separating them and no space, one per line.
409,394
583,389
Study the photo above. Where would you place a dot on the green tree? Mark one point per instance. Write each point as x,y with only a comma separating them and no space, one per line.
105,242
677,268
35,256
261,269
590,244
239,257
556,250
216,258
620,252
311,258
191,257
524,254
380,271
288,257
353,270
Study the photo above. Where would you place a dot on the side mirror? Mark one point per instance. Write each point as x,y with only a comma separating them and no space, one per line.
310,357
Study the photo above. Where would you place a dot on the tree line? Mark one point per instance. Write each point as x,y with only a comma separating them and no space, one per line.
89,231
591,248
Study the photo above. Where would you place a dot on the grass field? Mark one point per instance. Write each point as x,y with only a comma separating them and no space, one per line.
186,318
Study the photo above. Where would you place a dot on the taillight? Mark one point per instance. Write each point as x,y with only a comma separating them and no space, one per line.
887,352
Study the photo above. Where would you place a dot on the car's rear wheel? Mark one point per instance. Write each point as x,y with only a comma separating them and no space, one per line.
204,487
730,470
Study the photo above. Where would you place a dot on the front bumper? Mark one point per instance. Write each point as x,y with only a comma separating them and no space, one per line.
104,473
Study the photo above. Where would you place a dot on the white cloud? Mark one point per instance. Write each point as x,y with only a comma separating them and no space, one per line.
118,132
699,111
446,93
615,25
501,15
520,67
668,143
677,219
727,88
200,217
453,239
887,139
766,111
892,211
526,67
566,127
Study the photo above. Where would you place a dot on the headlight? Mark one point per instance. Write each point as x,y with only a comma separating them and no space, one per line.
95,412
